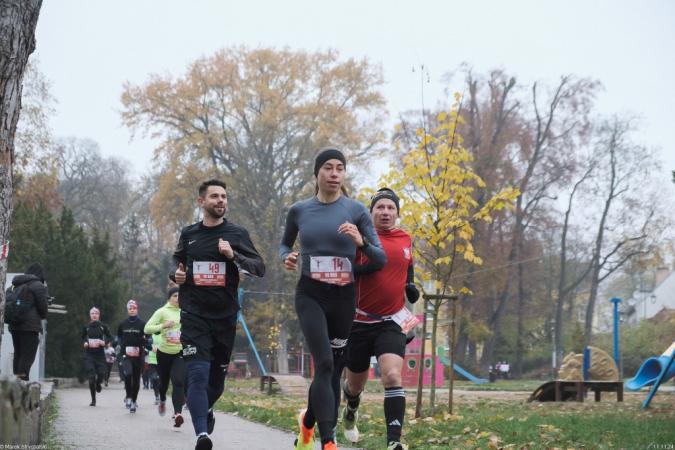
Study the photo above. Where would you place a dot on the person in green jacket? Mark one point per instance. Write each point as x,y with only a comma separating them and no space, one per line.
170,363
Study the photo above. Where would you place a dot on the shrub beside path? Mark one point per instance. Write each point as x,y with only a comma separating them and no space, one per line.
109,425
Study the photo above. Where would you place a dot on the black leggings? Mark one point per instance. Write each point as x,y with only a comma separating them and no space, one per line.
132,380
172,368
326,314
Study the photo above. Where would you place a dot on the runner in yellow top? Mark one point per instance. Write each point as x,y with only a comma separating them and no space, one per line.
170,363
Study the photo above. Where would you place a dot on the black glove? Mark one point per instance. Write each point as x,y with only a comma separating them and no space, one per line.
411,292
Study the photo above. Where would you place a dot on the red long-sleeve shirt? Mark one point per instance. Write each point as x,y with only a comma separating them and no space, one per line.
382,293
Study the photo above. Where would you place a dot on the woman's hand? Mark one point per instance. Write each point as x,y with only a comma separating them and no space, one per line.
291,261
353,232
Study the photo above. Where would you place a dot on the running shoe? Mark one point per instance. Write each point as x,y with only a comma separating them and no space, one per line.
330,446
134,405
393,445
349,418
93,402
204,442
210,421
178,420
305,440
161,408
157,400
128,402
106,383
98,386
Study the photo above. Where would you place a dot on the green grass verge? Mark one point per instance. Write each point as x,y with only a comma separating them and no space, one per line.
51,439
479,422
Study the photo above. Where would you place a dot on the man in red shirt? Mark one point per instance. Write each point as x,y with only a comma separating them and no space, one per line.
381,321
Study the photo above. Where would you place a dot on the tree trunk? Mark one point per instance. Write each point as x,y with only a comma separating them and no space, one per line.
282,351
18,19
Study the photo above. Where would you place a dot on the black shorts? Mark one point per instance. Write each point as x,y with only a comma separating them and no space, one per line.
207,339
95,364
373,339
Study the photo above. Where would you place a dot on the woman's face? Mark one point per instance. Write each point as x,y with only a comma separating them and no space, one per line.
173,300
331,176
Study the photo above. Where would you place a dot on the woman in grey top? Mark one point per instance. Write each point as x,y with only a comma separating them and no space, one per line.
331,227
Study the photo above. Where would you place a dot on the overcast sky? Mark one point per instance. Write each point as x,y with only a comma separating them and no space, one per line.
89,49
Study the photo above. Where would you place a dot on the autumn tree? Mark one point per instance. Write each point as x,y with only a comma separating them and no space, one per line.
17,30
521,139
255,118
36,156
438,187
628,221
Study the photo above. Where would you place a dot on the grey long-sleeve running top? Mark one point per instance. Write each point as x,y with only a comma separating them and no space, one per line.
318,225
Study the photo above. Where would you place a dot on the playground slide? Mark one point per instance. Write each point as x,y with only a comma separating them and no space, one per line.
446,361
651,370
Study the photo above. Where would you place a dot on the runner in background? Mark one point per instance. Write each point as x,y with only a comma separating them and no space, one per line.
381,321
110,358
152,365
133,343
170,363
95,336
331,228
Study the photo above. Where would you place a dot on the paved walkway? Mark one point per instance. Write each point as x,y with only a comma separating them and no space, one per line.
109,425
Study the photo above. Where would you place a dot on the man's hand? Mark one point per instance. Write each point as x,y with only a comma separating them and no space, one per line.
86,344
411,292
291,261
225,249
180,274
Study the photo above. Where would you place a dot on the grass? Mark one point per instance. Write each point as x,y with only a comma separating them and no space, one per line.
51,440
497,421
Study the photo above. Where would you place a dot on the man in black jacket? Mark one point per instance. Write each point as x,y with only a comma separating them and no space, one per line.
25,336
206,265
95,336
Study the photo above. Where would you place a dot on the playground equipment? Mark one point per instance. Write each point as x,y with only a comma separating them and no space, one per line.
654,371
464,373
574,381
601,367
413,361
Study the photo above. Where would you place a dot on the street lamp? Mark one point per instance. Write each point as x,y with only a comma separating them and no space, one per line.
616,302
553,362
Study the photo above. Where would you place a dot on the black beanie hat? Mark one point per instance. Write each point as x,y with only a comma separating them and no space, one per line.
324,155
384,193
172,291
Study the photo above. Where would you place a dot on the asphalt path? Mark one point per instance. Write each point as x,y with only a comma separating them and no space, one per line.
109,425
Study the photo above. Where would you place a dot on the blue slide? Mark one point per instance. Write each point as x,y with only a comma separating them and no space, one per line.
446,361
652,369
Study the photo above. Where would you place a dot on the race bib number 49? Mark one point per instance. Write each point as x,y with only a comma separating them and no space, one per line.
206,273
331,269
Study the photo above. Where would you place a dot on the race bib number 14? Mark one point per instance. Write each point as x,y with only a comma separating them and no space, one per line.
331,269
205,273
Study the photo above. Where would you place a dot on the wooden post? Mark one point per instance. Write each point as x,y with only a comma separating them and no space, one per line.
453,298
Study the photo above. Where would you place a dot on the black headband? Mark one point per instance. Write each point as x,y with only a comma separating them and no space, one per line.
326,154
384,193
